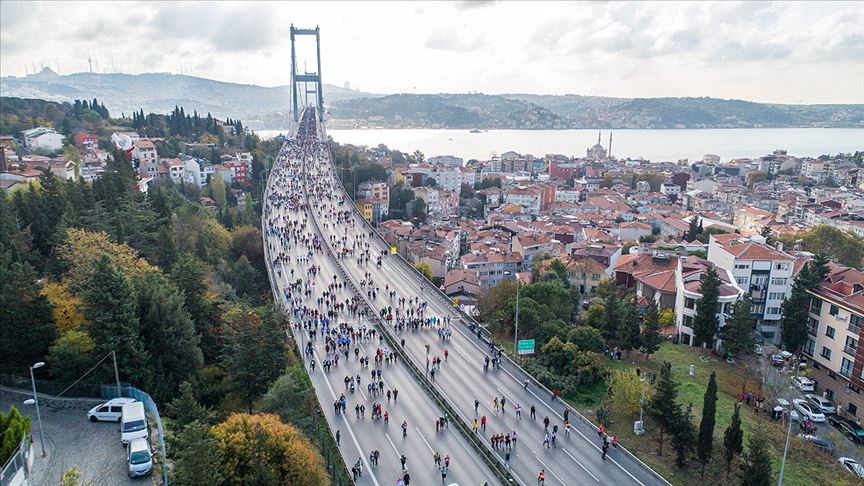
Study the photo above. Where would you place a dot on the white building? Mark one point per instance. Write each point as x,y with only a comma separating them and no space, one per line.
124,140
688,284
448,160
670,189
765,272
144,152
529,198
42,138
568,195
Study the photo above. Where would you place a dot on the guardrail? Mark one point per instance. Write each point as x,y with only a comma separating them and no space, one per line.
473,325
18,468
491,460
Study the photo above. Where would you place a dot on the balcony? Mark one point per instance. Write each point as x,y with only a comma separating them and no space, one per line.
847,372
813,331
850,350
854,328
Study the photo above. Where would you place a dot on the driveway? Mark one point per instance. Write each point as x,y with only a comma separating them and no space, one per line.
71,440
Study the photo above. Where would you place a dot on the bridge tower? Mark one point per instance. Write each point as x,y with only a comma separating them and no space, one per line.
306,78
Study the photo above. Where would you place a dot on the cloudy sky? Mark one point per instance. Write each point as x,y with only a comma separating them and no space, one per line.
770,52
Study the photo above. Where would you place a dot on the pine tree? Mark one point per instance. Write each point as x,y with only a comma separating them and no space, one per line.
705,323
683,435
705,444
197,458
757,467
185,408
628,334
651,338
737,333
693,229
612,310
188,274
795,307
663,407
733,439
112,315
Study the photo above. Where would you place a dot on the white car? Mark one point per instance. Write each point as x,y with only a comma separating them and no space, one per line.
852,466
785,407
808,410
804,384
110,411
139,458
823,404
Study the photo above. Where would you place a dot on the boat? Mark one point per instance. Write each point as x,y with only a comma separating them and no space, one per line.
476,131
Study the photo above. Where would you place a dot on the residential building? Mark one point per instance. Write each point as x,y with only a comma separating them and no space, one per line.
144,152
493,266
447,160
124,140
374,190
42,138
688,283
530,244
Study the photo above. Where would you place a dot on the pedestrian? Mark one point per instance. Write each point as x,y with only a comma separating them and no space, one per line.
437,458
614,441
476,404
473,426
546,422
605,449
533,415
483,423
403,460
600,431
541,479
507,459
338,438
444,474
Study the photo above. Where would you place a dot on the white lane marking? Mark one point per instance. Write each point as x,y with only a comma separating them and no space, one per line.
424,439
580,465
483,402
512,402
549,470
394,445
350,429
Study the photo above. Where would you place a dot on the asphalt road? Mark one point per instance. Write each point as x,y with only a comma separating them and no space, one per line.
462,379
71,440
360,436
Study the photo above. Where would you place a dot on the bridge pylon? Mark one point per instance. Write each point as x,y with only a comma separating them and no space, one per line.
306,78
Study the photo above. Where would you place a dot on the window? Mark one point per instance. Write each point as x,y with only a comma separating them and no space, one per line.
834,310
829,331
742,280
595,276
780,266
778,281
776,295
809,346
851,408
773,310
826,353
742,266
846,367
816,306
689,303
854,321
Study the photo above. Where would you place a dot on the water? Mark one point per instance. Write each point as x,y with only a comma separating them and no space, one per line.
655,145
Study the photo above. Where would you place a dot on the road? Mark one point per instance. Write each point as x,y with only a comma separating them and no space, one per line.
576,459
292,248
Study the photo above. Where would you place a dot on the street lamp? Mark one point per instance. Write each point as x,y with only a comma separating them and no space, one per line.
516,329
796,361
639,427
35,401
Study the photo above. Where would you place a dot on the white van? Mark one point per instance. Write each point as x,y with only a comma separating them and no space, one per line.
139,458
110,411
133,424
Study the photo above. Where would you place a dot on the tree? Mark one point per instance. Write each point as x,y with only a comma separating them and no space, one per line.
81,249
737,334
667,318
628,334
705,443
612,315
71,356
261,449
423,267
188,274
733,439
197,459
168,333
254,353
13,427
683,435
651,338
626,391
185,408
67,309
586,339
705,322
244,278
757,468
111,310
219,192
664,408
594,316
795,307
290,396
72,154
27,322
693,229
834,243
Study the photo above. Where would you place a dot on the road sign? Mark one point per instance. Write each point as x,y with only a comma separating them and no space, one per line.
393,250
526,346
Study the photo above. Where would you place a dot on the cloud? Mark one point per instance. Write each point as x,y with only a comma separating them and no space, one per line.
223,26
455,39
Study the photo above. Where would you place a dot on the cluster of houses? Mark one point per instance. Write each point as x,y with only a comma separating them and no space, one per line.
602,220
19,168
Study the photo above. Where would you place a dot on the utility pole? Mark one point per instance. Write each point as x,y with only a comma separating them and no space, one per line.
116,374
516,330
796,361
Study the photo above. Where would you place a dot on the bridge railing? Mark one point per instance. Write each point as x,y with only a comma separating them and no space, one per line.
472,324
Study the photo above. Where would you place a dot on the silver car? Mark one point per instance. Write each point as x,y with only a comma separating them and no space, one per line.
808,410
823,404
139,457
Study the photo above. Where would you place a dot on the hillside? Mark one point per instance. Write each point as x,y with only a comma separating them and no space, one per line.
160,92
268,108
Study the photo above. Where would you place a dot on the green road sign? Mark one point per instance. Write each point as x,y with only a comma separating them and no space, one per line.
525,346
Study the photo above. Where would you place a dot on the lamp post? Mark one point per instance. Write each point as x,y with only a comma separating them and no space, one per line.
796,362
516,328
35,401
639,427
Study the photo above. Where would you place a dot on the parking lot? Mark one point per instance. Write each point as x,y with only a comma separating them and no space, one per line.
71,440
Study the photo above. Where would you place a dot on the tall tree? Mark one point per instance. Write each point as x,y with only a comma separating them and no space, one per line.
683,435
733,439
737,334
795,307
628,334
188,274
112,314
71,356
612,313
694,229
26,322
705,443
168,333
757,467
705,323
664,408
651,338
197,459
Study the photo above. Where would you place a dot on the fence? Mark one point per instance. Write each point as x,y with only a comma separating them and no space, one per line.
110,391
18,469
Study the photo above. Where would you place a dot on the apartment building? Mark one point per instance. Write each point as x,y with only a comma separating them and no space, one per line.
765,272
834,337
530,244
374,190
493,267
688,283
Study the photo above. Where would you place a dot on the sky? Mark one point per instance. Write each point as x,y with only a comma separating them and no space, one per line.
767,52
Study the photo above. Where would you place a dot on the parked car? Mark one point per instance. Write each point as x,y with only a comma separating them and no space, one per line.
850,429
822,403
804,384
133,424
786,407
808,410
852,466
777,360
139,458
819,442
110,411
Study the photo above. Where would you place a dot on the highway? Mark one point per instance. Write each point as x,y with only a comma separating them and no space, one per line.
308,285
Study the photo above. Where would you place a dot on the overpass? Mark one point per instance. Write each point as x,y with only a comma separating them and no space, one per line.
419,323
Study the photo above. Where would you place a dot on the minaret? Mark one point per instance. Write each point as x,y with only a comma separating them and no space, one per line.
598,137
610,144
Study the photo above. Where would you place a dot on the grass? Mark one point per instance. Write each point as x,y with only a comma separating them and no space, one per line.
804,466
